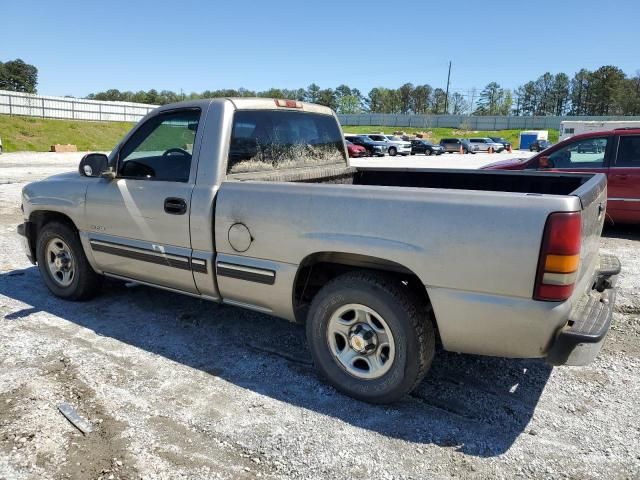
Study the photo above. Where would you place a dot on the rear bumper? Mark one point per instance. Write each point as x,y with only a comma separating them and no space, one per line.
580,340
496,325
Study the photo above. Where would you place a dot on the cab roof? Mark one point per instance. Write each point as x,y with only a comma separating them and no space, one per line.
250,103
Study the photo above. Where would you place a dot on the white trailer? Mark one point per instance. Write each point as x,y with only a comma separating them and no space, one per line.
569,128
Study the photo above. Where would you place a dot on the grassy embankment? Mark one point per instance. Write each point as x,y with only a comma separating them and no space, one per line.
435,134
38,134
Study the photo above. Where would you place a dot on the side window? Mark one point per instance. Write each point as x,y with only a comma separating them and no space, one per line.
588,153
161,148
628,151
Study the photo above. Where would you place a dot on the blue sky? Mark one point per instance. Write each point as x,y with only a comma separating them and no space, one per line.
81,47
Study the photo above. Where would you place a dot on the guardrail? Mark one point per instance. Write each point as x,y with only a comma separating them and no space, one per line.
16,103
467,122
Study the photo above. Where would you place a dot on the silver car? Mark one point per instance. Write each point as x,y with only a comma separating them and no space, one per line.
484,144
397,146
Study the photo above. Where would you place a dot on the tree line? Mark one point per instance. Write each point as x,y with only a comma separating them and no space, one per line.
604,91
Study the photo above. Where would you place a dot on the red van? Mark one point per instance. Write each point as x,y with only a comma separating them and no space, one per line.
615,153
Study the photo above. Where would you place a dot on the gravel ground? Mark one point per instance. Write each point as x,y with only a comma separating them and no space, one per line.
179,388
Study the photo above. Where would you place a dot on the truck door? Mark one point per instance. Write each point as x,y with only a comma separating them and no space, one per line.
624,181
138,223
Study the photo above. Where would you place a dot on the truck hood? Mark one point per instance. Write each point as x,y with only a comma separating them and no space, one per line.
63,193
510,164
74,175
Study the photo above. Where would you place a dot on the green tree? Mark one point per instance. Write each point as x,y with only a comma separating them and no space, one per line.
405,95
438,101
18,76
490,100
606,84
421,98
561,93
327,97
312,93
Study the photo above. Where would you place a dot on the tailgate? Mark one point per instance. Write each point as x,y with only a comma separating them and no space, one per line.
593,197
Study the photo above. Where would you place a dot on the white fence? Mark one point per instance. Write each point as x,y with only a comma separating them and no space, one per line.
464,121
15,103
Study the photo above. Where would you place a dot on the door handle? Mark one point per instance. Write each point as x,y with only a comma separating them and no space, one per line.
175,206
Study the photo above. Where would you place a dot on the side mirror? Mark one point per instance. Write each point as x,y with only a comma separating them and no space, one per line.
93,164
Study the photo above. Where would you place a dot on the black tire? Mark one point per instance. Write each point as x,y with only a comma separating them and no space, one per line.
408,317
427,152
86,282
413,153
393,151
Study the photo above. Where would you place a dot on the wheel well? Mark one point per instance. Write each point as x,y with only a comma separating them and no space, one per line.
40,218
318,269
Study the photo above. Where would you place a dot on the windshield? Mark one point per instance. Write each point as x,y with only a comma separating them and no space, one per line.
267,140
393,138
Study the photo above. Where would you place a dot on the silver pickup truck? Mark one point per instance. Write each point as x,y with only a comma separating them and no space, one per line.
251,202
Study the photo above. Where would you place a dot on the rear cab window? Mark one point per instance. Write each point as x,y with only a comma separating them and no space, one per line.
270,140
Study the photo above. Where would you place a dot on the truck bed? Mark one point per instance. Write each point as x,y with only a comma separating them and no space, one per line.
487,180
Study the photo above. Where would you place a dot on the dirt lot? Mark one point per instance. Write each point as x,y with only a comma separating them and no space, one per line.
178,388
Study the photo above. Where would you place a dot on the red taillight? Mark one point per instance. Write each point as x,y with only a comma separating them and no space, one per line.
288,103
559,257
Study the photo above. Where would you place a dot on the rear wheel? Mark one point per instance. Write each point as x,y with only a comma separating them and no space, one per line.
393,151
370,337
63,264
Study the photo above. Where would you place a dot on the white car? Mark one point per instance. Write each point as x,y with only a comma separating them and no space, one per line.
484,144
397,146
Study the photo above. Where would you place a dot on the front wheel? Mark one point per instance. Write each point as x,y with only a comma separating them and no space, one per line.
393,151
370,337
63,265
427,152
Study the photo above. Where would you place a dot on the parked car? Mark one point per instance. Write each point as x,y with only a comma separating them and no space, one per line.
590,147
355,151
506,144
615,153
485,144
374,149
0,146
396,145
539,145
426,147
276,221
453,145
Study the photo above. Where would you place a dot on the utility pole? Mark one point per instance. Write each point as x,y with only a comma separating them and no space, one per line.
446,98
